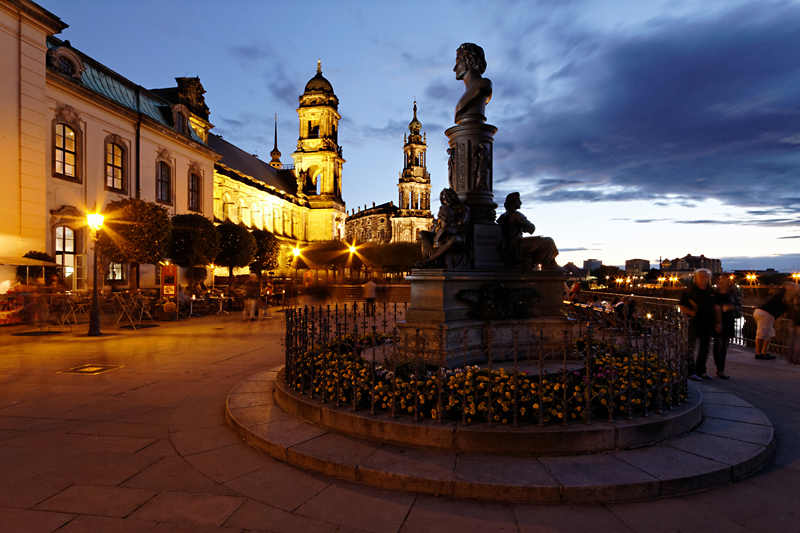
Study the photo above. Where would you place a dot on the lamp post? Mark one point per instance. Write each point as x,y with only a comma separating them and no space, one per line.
95,221
296,254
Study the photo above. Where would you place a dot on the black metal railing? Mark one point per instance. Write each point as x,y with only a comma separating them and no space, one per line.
785,342
348,356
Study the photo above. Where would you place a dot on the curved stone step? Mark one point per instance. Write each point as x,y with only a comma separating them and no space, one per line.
734,440
498,439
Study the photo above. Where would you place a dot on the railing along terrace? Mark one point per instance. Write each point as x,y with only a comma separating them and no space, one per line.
344,356
786,341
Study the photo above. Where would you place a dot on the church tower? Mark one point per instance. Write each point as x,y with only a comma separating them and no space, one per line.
414,186
318,159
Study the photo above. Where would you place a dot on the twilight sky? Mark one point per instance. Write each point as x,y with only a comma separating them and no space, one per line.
632,129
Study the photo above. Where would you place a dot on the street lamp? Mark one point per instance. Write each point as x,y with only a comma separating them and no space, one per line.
296,254
95,221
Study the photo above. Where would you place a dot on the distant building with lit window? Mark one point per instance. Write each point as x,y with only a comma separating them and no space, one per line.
592,264
636,267
690,263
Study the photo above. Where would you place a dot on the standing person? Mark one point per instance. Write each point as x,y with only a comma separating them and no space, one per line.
699,303
252,291
575,292
370,290
785,299
730,305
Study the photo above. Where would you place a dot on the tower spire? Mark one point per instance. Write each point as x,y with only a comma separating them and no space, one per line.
319,66
275,153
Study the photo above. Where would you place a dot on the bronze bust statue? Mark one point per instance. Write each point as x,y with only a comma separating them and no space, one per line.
524,252
470,65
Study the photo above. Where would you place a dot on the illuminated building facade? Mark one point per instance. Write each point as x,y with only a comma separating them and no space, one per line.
75,135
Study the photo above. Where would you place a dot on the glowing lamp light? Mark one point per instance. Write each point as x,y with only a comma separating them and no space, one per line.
95,220
296,252
352,249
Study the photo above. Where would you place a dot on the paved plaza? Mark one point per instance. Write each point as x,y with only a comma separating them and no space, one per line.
145,447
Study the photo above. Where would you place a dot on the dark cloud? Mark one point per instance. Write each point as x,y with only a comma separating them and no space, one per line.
686,111
780,262
249,53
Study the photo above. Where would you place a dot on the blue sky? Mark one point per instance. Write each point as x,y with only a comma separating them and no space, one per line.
632,129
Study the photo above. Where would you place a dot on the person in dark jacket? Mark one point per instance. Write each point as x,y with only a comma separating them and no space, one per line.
729,302
699,304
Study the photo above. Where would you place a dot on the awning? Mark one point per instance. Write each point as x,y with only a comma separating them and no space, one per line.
24,261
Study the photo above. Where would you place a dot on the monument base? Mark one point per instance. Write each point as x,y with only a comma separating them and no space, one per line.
443,330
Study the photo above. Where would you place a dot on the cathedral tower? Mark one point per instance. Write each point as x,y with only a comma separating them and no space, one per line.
318,158
414,186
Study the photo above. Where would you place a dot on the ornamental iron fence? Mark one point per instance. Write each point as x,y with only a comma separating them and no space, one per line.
360,358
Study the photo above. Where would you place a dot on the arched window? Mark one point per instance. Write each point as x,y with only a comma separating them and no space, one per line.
287,223
194,192
226,208
115,167
268,218
180,122
278,220
66,152
243,212
163,182
65,253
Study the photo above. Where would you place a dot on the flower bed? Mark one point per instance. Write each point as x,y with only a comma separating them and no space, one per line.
613,382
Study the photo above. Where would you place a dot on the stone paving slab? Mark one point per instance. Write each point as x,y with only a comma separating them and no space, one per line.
216,353
734,441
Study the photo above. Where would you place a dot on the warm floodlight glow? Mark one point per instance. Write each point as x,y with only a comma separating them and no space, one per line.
95,220
296,252
352,249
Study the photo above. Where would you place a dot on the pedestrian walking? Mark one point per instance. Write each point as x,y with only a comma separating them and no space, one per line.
699,304
730,305
370,292
252,291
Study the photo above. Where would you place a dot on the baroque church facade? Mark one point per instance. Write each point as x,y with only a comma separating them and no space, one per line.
75,135
387,223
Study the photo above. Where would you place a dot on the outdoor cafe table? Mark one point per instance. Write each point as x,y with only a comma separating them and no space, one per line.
222,300
134,307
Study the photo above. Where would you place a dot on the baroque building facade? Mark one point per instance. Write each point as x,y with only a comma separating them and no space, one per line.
75,135
387,223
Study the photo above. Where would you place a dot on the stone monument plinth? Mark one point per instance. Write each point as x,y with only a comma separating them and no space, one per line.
446,323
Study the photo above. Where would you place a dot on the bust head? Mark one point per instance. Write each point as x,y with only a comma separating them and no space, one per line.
469,56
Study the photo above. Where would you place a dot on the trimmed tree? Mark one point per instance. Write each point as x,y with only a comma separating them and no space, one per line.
135,231
267,251
195,241
237,247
